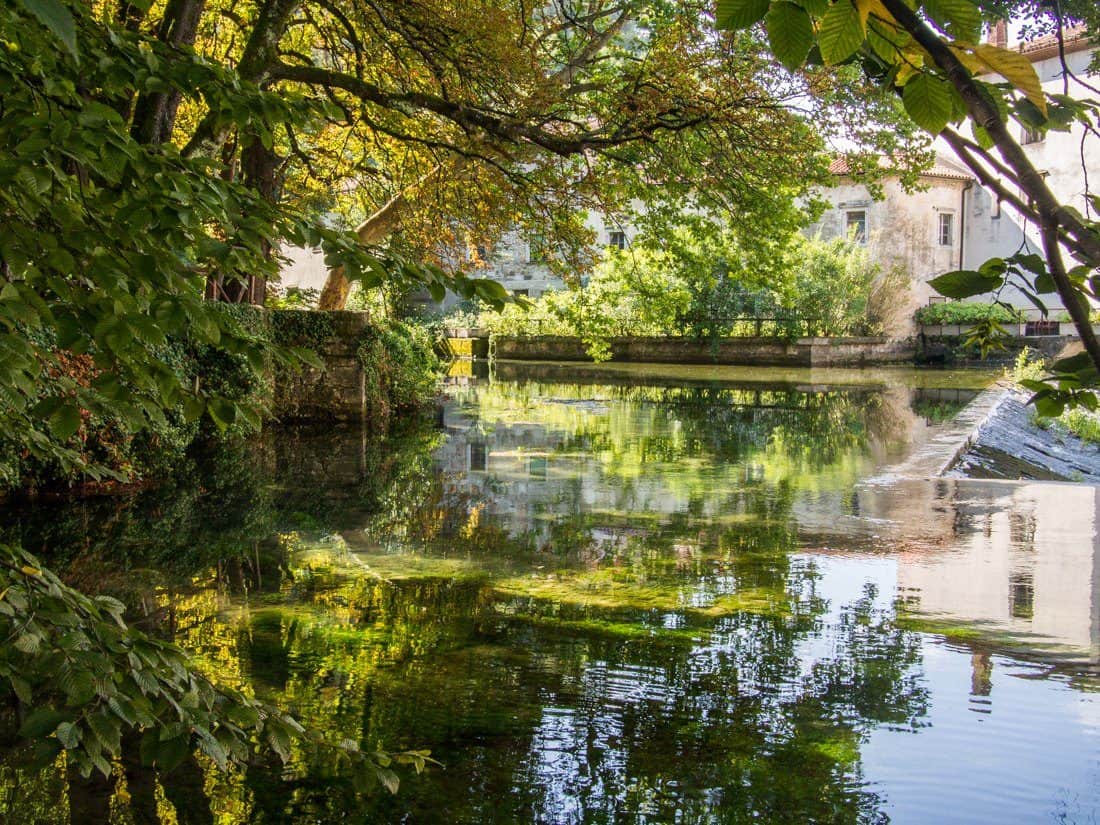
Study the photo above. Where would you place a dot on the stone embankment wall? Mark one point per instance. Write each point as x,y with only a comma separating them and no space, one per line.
950,347
800,352
337,392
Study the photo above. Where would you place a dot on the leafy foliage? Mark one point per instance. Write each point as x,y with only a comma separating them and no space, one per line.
697,283
109,240
402,368
960,312
85,682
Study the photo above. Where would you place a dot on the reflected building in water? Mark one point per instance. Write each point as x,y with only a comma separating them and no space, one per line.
1010,563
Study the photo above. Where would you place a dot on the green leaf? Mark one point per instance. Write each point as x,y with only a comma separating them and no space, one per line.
959,18
1044,284
22,689
1074,364
739,14
841,32
44,754
65,421
68,734
790,32
993,267
1049,405
1031,262
107,730
388,779
56,17
1016,68
171,753
77,684
222,411
41,722
193,408
965,283
928,102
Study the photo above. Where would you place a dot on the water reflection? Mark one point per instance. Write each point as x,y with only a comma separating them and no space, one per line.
658,598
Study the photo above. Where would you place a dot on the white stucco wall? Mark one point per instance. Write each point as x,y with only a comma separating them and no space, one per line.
305,269
902,229
510,261
1060,155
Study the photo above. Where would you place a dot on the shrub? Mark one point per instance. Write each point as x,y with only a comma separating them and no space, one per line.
707,286
831,285
399,356
958,312
1083,424
402,368
118,445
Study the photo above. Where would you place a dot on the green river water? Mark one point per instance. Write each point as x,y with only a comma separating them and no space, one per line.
617,594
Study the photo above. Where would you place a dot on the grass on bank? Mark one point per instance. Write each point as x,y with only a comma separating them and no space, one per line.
1078,422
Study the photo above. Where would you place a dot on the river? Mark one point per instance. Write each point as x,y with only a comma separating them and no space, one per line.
620,594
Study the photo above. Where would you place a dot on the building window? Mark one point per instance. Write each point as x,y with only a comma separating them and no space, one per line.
1030,136
479,457
855,226
947,229
1021,596
520,293
617,239
536,468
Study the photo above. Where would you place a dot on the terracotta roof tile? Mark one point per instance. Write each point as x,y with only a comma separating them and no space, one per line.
941,168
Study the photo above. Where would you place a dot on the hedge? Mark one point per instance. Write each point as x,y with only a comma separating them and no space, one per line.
967,313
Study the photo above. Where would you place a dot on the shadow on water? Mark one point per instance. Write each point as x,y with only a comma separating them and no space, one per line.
641,600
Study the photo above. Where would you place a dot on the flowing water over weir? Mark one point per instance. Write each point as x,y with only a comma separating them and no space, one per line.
625,594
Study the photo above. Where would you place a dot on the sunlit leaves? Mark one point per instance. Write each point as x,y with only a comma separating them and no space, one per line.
841,33
1014,67
790,33
740,14
960,18
927,100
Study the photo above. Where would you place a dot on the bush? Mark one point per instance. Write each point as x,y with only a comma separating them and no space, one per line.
831,285
706,286
1029,366
399,356
402,368
119,446
958,312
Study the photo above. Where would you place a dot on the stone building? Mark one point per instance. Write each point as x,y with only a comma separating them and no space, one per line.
955,223
923,232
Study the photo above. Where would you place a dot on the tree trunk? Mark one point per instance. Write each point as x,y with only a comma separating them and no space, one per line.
260,53
262,170
372,231
1054,217
155,112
